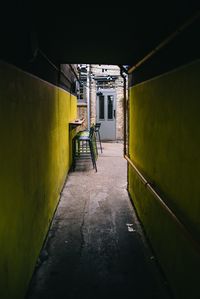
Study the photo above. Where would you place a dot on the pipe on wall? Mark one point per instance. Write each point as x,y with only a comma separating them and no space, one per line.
54,66
182,227
148,185
165,41
122,71
88,94
74,72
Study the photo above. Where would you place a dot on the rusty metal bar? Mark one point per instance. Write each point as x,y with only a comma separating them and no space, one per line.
183,228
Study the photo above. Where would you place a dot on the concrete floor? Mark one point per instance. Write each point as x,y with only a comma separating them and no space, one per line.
96,248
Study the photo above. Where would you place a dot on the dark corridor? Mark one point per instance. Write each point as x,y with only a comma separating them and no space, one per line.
156,46
96,247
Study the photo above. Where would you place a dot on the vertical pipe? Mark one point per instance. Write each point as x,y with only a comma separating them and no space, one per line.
125,116
128,131
126,119
88,94
124,108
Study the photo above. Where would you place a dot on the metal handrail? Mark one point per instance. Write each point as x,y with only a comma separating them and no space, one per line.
148,185
166,41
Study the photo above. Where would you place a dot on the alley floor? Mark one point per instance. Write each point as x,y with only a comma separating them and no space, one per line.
96,247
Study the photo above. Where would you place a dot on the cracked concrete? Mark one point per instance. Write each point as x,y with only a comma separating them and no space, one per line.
96,247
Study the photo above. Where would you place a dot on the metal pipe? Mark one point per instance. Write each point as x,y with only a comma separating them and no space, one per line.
144,181
54,66
166,41
88,94
74,72
183,228
48,60
128,134
124,106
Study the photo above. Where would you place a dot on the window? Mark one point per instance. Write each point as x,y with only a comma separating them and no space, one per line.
101,107
110,107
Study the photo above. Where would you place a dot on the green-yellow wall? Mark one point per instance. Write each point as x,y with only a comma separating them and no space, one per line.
164,143
34,161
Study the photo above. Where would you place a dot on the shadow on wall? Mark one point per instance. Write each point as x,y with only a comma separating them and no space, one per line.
164,138
35,159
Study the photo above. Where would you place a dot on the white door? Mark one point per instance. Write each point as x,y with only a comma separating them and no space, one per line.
106,114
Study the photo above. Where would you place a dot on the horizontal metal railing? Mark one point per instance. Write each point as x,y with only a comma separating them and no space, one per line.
148,185
165,42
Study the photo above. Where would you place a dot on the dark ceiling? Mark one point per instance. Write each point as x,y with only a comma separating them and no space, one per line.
93,33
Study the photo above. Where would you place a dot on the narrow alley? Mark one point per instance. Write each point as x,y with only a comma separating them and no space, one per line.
95,247
131,229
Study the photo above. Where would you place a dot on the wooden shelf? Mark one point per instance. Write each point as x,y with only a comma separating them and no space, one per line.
76,122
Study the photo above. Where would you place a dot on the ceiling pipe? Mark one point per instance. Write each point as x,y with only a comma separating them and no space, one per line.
165,42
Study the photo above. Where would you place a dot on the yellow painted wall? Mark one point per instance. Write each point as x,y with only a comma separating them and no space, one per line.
164,144
34,161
